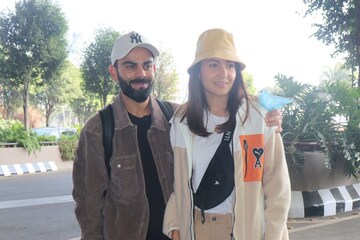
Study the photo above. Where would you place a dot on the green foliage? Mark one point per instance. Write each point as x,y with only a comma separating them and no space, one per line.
33,43
84,106
67,146
296,156
335,74
352,156
310,123
45,138
29,141
10,98
346,98
8,129
340,27
96,63
249,83
78,128
61,89
13,132
166,77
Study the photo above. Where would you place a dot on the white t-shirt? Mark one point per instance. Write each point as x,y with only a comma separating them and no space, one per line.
204,149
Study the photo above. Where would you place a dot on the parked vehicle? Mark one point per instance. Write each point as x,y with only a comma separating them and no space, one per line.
57,132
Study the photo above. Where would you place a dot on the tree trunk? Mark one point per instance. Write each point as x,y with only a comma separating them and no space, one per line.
47,119
47,112
25,105
358,58
357,37
359,75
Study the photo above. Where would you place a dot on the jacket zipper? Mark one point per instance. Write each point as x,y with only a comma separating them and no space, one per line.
246,153
233,212
192,209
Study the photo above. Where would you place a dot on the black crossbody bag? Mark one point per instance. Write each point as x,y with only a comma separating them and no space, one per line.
218,181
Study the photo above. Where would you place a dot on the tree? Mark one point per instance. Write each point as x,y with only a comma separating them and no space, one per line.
96,64
60,90
10,99
33,41
167,79
249,83
84,106
310,123
337,73
341,27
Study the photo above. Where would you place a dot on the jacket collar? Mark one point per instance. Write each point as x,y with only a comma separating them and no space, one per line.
122,119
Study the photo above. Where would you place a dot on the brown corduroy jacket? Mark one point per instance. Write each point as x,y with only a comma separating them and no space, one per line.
122,213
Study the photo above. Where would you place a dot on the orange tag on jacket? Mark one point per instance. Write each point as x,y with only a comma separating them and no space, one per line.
252,156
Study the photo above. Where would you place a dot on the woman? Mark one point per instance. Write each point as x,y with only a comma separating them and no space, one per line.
231,178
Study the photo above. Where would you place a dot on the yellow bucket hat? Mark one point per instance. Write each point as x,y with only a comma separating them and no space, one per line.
216,43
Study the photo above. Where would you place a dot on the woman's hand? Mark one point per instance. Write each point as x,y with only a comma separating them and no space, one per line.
175,235
274,118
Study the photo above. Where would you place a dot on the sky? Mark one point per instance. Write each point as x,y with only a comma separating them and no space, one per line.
271,37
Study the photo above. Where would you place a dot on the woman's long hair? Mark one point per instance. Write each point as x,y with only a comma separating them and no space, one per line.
197,104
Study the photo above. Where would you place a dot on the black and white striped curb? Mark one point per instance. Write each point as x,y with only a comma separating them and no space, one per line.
325,202
26,168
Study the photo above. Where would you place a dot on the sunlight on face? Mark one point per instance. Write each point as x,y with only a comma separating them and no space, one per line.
135,74
217,76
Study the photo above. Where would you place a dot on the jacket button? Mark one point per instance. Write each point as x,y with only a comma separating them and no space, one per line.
213,218
118,166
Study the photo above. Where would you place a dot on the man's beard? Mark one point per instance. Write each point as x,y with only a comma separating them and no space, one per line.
137,95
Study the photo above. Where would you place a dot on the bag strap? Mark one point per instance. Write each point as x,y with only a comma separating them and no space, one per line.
107,121
227,137
212,168
166,108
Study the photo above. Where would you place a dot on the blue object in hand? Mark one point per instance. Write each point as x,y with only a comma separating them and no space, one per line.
272,102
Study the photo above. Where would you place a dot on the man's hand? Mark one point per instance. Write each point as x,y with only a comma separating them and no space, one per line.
175,235
274,118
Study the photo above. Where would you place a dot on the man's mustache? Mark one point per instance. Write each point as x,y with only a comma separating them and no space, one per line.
140,80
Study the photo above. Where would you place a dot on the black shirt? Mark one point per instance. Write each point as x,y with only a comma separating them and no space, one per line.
152,184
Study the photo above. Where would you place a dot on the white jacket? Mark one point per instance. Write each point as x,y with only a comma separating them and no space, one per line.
262,184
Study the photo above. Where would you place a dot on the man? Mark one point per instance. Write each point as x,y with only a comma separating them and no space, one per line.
128,203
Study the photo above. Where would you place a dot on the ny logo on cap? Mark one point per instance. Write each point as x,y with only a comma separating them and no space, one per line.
135,37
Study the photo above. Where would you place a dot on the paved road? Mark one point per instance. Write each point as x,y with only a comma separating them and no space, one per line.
345,226
40,207
37,207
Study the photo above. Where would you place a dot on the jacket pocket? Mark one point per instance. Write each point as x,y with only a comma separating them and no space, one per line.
252,147
124,180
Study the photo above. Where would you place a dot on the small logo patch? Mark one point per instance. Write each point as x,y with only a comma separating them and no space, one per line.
258,152
135,37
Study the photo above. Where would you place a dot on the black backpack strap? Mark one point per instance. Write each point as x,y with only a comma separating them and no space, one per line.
166,108
107,121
